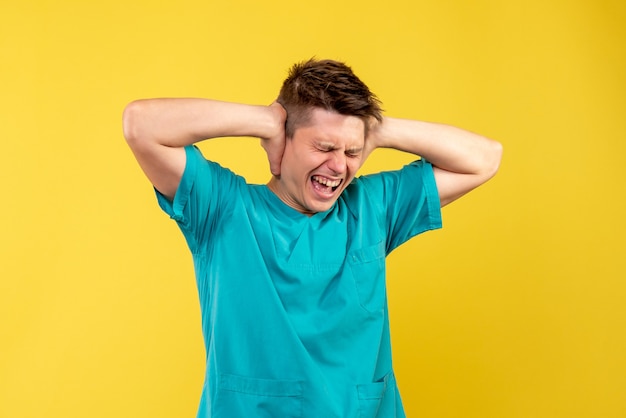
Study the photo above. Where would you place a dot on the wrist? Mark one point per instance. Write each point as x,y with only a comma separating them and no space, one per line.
378,134
273,124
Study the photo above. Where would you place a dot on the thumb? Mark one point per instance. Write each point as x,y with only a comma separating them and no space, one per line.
275,164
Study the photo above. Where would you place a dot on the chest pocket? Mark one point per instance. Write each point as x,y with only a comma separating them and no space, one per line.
240,396
367,266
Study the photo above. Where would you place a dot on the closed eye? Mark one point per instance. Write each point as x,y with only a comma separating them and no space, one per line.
324,148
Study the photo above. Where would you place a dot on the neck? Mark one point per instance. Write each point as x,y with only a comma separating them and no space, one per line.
276,186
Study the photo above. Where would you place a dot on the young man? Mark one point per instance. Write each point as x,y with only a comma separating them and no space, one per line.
291,275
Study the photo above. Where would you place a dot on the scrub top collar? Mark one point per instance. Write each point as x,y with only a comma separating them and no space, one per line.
294,214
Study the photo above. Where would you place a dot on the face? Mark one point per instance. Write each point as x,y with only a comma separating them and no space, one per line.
319,161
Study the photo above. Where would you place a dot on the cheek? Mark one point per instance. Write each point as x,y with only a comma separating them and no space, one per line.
308,161
290,159
354,165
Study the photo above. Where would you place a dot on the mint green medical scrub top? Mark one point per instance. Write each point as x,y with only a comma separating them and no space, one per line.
294,308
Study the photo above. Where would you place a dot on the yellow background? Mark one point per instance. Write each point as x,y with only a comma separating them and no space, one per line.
514,309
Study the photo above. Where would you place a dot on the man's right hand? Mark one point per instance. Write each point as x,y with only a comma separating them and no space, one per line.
274,144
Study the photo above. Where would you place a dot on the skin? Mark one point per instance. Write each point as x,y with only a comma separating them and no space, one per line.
326,152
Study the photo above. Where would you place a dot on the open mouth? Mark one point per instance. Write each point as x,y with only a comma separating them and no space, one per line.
325,185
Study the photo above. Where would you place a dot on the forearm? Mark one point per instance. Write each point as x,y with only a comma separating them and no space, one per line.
462,160
157,130
446,147
181,122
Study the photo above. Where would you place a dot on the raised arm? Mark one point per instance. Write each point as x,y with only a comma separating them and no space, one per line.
157,130
462,160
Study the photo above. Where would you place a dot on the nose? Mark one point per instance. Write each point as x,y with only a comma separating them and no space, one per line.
337,162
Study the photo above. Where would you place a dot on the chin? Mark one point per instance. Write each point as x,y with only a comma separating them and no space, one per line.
320,206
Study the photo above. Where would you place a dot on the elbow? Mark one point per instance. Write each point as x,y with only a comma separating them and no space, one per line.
493,159
131,125
498,151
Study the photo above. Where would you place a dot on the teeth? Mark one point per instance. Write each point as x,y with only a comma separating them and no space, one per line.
327,182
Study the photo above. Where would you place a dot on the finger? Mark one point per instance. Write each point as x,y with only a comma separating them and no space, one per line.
275,169
275,165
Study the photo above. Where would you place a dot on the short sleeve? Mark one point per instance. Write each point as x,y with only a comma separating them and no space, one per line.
176,208
408,199
199,202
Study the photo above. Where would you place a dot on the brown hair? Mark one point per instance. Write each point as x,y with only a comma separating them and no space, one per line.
326,84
